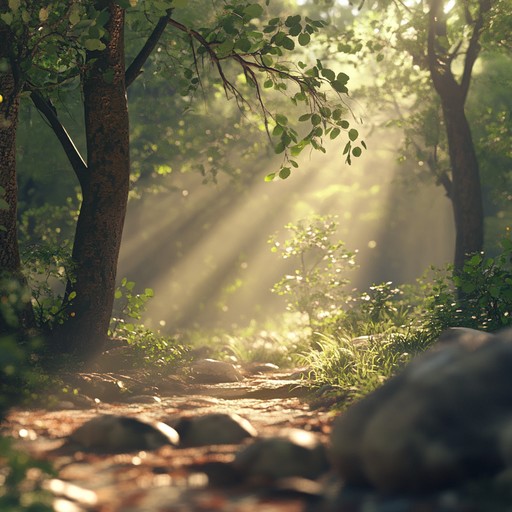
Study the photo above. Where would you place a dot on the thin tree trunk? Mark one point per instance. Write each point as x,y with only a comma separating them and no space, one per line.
105,196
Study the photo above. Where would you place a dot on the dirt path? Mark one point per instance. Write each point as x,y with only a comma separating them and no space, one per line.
172,479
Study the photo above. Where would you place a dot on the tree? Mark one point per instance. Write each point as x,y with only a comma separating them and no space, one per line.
88,51
429,50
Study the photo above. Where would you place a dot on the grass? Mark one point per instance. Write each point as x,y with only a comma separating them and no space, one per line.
354,367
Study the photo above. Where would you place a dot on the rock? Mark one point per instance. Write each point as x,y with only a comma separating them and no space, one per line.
297,454
144,399
445,419
119,434
215,428
262,367
210,371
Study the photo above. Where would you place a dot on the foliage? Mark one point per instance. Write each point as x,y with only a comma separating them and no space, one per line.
316,284
264,346
149,347
16,364
484,298
21,479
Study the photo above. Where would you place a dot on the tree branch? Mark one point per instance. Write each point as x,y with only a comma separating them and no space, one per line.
75,158
134,69
474,46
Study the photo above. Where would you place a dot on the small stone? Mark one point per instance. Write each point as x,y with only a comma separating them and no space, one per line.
144,399
262,368
297,454
119,434
211,371
215,428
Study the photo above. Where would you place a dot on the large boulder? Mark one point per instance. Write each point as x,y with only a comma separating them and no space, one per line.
446,418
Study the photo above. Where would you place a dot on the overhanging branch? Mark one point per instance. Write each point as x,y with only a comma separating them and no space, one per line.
135,68
75,158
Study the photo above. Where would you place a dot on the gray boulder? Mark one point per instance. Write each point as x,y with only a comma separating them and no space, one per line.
120,434
445,419
213,429
211,371
297,453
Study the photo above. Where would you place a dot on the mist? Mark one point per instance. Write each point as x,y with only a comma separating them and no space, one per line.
204,248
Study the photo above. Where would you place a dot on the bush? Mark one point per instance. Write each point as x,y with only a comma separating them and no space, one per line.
479,296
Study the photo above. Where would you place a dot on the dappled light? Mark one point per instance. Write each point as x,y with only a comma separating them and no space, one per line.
255,255
206,255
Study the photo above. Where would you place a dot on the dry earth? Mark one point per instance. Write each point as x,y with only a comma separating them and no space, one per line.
174,479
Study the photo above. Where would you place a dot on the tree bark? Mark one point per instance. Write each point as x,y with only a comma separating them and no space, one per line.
105,196
466,188
10,264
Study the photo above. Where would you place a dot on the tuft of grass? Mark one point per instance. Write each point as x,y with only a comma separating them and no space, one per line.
353,367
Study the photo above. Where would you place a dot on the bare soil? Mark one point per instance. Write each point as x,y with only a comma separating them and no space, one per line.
173,479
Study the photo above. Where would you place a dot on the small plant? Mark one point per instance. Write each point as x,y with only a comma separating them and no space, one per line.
479,296
149,348
48,267
316,284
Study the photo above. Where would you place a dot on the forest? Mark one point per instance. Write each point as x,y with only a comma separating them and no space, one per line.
287,186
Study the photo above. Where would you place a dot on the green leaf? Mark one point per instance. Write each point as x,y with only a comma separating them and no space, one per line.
281,119
285,172
339,86
353,134
288,43
270,177
292,20
279,147
277,131
344,124
252,11
329,74
304,117
316,119
334,133
94,45
357,151
226,47
304,39
6,17
267,60
342,78
72,295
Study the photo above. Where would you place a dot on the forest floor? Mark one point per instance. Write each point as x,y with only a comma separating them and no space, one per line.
173,479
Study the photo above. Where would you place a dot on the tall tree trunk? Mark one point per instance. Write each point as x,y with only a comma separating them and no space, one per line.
466,190
10,265
105,196
466,187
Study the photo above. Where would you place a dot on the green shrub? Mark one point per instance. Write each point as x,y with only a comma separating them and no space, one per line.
316,285
479,296
149,348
